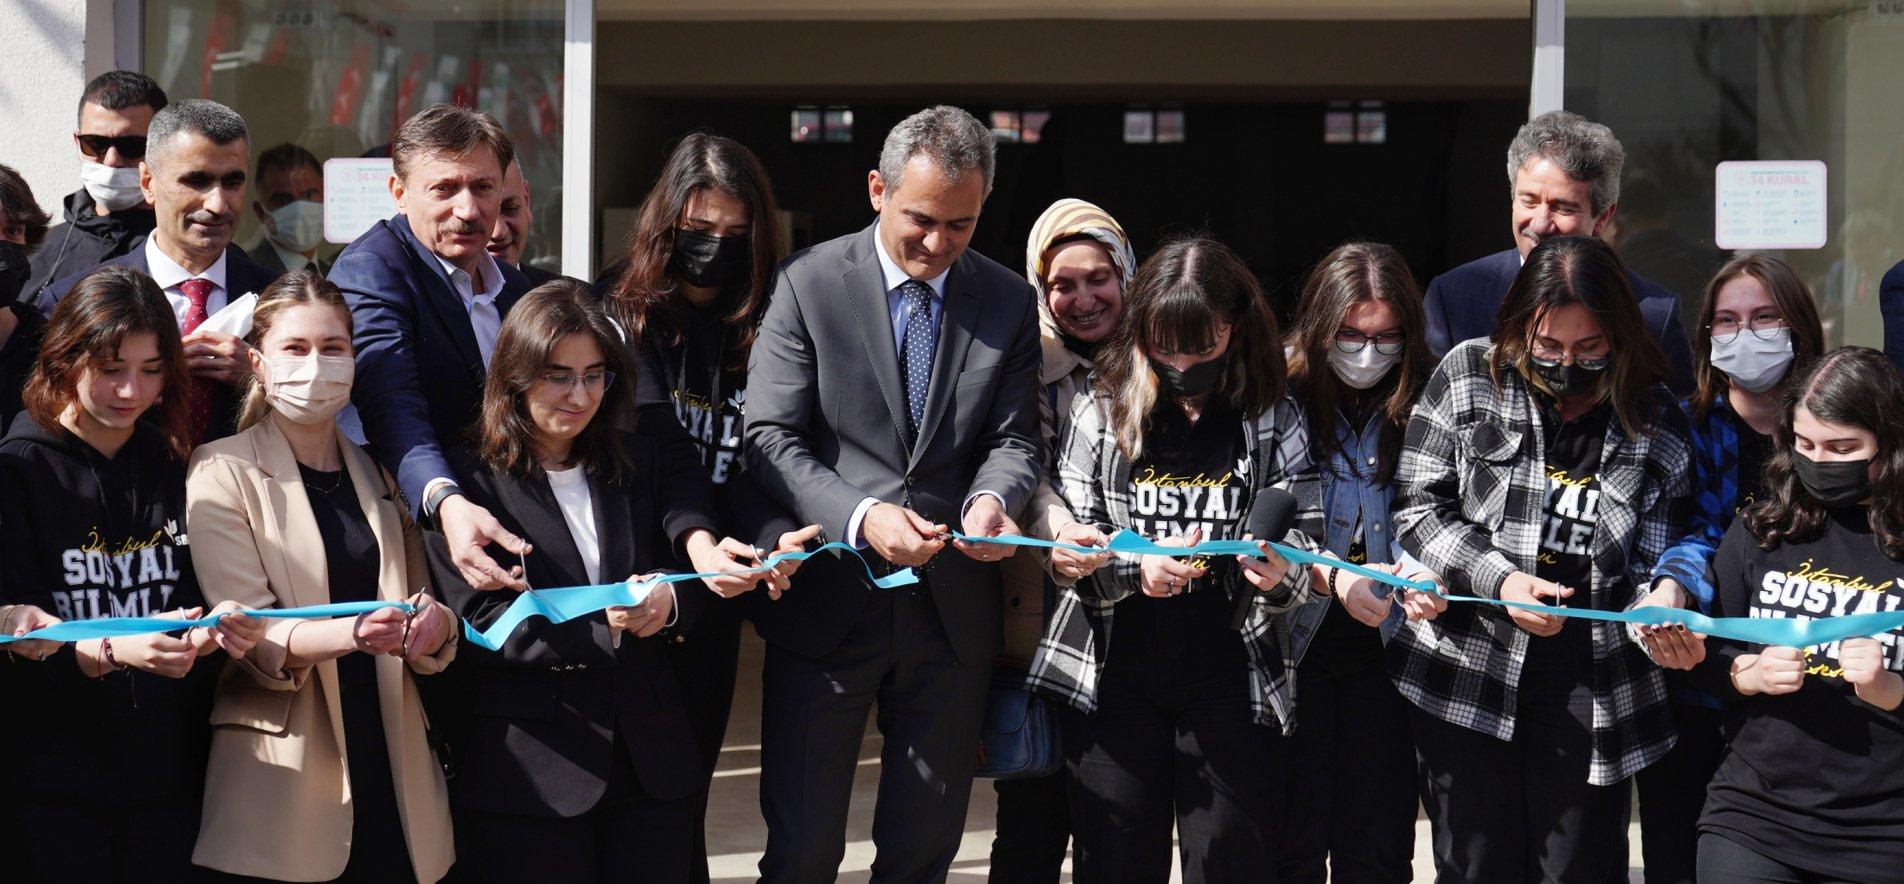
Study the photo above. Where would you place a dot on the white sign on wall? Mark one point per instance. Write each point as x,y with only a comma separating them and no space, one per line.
356,195
1769,204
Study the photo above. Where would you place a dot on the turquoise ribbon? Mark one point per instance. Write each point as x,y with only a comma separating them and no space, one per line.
554,605
1787,632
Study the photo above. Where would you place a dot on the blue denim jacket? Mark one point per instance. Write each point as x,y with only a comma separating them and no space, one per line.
1351,498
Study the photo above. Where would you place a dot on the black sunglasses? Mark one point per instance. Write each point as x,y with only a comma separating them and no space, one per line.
132,147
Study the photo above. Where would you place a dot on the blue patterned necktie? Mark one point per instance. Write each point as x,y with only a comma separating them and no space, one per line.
915,351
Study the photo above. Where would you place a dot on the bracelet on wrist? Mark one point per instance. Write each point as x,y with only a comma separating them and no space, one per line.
1333,574
105,647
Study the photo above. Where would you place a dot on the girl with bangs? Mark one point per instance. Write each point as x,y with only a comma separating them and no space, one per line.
1811,788
1545,465
92,496
1177,717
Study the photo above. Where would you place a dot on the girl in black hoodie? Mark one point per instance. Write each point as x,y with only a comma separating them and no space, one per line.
689,297
92,499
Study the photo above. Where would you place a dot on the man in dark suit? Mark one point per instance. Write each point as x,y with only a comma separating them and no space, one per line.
1564,174
194,175
892,391
290,206
428,302
510,236
1891,306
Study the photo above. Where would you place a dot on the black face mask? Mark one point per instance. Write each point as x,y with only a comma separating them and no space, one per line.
14,270
1566,380
706,260
1193,381
1835,483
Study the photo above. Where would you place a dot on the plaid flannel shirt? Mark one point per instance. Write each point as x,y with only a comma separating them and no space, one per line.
1094,477
1715,449
1471,494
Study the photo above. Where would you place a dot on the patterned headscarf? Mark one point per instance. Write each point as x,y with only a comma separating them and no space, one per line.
1071,217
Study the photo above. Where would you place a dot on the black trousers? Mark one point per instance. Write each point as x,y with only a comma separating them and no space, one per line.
895,657
145,843
1163,751
1521,810
1034,829
1725,861
1673,793
628,837
1350,793
705,665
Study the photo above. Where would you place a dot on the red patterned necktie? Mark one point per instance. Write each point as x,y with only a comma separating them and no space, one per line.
199,291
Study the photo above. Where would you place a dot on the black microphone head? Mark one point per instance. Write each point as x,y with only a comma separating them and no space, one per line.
1271,514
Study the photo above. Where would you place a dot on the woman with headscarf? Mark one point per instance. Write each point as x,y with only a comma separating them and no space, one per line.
1080,262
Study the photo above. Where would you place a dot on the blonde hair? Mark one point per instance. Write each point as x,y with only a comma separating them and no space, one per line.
293,289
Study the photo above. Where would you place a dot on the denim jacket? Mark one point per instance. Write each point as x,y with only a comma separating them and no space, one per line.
1352,498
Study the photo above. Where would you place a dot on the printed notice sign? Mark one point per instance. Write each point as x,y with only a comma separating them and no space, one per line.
356,195
1772,204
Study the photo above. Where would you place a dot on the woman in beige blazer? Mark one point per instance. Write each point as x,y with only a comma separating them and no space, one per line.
321,766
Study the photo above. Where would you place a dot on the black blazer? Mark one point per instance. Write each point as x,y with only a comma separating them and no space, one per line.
826,427
243,276
551,706
1461,304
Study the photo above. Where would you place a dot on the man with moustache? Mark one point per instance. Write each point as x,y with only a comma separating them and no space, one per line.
1563,172
892,392
197,157
510,236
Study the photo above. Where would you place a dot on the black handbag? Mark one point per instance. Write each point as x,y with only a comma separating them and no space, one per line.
1020,737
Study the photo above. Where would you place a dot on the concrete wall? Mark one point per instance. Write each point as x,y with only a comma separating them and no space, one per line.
52,48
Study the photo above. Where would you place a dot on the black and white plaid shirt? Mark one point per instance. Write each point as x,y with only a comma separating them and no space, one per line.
1094,477
1471,493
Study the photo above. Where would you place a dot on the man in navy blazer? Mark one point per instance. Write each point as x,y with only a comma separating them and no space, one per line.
428,302
194,175
1891,306
1564,172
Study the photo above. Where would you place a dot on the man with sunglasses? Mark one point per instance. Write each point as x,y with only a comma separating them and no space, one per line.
109,212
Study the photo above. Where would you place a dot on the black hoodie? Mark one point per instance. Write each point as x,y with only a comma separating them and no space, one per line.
86,240
85,536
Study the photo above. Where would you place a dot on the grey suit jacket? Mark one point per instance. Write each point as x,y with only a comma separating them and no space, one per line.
826,429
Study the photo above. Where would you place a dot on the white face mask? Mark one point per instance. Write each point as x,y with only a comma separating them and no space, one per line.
298,226
1753,363
309,389
1364,368
116,188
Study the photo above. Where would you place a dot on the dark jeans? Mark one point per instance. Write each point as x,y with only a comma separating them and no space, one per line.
813,718
1673,793
1350,793
1163,751
1521,810
626,838
1725,861
705,666
1034,828
148,843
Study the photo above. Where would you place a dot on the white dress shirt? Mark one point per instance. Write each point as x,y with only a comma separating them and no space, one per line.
485,318
168,274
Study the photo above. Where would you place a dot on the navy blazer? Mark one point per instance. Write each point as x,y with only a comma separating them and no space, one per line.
243,276
1891,305
1462,304
419,372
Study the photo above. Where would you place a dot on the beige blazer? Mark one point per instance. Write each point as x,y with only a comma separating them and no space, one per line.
277,791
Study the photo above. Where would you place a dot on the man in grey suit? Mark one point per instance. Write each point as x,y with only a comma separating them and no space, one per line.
892,391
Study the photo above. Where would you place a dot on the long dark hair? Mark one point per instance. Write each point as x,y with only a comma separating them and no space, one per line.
1850,385
1351,274
544,316
1583,270
645,299
1180,296
104,308
1789,294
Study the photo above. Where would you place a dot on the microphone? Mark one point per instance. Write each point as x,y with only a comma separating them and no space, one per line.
1271,514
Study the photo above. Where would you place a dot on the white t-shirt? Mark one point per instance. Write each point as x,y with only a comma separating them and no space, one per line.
578,509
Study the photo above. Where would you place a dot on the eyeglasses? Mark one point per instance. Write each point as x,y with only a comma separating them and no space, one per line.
1763,326
132,147
594,381
1352,341
1546,358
